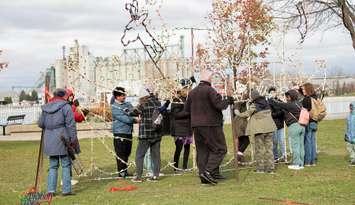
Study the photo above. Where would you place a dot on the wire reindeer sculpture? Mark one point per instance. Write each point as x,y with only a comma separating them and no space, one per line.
132,34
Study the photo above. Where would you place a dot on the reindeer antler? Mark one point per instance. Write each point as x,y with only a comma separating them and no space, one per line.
133,9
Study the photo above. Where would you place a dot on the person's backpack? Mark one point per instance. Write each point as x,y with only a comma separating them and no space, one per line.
318,111
304,116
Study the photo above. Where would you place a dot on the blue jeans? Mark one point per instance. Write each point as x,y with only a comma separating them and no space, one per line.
148,162
53,173
310,143
278,144
296,135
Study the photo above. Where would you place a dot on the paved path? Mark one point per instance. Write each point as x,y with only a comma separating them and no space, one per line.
36,136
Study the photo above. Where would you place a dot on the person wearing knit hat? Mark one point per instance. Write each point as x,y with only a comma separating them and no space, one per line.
149,137
261,126
57,121
122,128
59,92
205,105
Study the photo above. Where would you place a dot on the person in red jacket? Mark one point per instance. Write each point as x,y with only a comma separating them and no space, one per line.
79,115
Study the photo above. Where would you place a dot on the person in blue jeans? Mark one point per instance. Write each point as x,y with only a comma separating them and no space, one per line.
278,116
295,130
350,134
310,152
58,124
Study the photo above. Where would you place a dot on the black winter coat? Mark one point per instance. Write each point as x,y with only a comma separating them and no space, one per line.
277,114
180,121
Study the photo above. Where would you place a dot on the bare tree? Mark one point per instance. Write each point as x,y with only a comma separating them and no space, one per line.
309,15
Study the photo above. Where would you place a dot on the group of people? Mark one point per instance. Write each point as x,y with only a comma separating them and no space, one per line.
267,117
200,114
194,114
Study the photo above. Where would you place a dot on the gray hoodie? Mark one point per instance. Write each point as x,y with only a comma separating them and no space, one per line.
57,119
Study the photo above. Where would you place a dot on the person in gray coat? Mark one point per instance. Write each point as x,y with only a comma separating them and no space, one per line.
57,121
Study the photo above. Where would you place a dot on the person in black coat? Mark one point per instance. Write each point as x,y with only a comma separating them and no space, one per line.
278,115
181,129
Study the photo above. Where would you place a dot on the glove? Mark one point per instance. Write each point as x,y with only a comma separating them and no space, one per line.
230,100
193,80
167,103
85,111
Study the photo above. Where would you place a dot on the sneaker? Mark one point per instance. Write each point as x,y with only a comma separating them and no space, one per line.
153,179
313,165
149,174
352,164
206,182
301,167
207,176
137,180
307,165
73,182
294,167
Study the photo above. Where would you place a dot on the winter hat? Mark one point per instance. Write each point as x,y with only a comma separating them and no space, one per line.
293,94
119,91
254,95
59,92
206,75
271,89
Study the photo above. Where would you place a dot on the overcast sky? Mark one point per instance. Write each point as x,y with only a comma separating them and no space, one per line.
32,33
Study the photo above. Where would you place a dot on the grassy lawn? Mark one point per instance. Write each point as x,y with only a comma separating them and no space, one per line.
332,181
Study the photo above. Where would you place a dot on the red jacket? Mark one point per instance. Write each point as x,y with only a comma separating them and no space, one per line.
78,115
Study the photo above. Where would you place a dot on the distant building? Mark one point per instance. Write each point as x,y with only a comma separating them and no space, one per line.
91,76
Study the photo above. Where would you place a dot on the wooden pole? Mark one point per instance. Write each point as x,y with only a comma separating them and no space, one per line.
234,137
39,171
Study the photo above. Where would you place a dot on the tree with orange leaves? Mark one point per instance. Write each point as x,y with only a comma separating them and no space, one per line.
240,37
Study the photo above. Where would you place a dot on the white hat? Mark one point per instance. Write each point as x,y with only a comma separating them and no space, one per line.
146,90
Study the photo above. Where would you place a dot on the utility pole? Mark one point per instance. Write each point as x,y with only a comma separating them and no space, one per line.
192,37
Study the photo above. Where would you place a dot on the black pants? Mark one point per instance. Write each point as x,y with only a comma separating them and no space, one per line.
243,143
211,148
123,148
142,148
178,148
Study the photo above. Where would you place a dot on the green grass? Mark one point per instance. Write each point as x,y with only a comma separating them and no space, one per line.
332,181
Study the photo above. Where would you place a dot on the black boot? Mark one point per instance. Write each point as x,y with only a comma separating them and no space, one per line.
208,177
